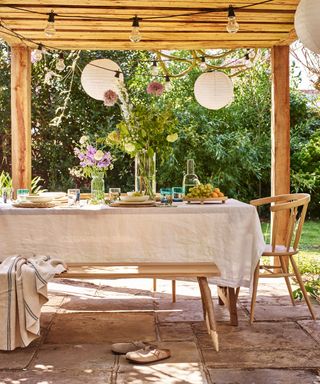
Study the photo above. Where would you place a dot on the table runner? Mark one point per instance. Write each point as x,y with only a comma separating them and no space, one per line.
226,234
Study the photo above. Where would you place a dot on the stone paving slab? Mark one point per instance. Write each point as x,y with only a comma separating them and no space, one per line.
176,332
55,377
271,312
262,376
184,366
312,327
80,356
106,304
19,358
191,311
100,327
264,358
260,336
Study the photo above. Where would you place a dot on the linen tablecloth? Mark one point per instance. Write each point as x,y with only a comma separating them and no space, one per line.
226,234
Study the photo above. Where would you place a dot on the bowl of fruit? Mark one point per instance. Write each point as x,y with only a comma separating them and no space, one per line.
203,193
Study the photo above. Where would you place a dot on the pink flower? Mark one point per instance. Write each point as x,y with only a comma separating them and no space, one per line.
110,98
155,88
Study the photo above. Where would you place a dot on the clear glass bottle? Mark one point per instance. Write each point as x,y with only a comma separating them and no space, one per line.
190,179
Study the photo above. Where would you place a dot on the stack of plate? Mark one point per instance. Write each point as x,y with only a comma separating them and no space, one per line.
134,201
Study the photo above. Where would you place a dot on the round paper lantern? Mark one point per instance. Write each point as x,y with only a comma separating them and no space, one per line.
307,24
213,90
99,76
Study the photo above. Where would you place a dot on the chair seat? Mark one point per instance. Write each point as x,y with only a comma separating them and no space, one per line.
279,250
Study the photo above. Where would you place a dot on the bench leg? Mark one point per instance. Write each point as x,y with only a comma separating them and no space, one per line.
173,291
229,298
208,304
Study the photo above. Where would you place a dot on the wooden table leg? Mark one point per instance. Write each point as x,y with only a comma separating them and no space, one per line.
229,297
208,303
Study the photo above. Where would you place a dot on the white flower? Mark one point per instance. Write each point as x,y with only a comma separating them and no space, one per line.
83,139
129,147
172,138
98,155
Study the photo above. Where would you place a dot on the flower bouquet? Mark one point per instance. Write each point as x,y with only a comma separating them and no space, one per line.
94,163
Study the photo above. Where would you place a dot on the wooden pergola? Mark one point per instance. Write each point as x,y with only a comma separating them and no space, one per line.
164,25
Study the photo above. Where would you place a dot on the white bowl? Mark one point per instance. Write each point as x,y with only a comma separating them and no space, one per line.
53,195
134,198
38,199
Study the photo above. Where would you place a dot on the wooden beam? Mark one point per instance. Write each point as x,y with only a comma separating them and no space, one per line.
21,116
280,130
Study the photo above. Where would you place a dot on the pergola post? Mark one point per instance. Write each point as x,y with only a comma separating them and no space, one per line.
21,116
280,129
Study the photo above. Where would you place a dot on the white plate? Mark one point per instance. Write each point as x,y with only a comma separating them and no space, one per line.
53,195
147,202
38,199
134,199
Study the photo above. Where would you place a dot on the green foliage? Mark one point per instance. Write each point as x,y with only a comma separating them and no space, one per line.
5,180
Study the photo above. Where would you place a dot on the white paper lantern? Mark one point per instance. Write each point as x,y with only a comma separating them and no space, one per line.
307,24
213,90
99,76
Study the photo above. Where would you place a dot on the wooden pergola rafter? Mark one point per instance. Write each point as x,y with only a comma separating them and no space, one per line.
164,25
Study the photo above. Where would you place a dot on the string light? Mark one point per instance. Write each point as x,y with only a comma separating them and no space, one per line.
154,69
38,53
168,85
50,29
247,60
117,75
232,26
60,66
135,35
203,65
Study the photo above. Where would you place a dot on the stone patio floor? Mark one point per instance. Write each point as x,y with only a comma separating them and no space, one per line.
83,318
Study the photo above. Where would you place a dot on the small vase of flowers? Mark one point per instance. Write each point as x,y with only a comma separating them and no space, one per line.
94,163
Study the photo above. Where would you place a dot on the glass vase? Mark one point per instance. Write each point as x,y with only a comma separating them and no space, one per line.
97,188
145,174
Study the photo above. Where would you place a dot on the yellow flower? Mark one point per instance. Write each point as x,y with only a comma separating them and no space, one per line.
172,138
98,155
129,147
113,137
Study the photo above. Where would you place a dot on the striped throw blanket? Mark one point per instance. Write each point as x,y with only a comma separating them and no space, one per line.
23,291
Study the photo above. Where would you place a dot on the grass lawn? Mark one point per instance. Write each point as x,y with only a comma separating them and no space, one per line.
309,255
308,258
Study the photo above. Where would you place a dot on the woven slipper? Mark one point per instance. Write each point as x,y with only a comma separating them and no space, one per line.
148,355
123,348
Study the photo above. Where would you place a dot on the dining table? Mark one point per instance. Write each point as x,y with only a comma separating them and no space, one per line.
228,235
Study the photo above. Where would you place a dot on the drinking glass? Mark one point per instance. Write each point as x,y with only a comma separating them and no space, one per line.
177,194
21,194
73,197
166,196
114,194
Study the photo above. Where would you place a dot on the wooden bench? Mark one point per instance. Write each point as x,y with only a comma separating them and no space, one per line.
155,270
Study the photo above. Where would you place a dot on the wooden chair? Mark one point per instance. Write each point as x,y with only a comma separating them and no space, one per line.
292,208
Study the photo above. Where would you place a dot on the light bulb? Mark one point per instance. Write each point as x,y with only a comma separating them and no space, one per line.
168,85
232,26
37,53
60,66
50,28
135,35
154,69
203,65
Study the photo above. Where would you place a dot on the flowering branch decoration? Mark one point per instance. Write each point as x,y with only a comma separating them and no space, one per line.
110,98
147,125
155,88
